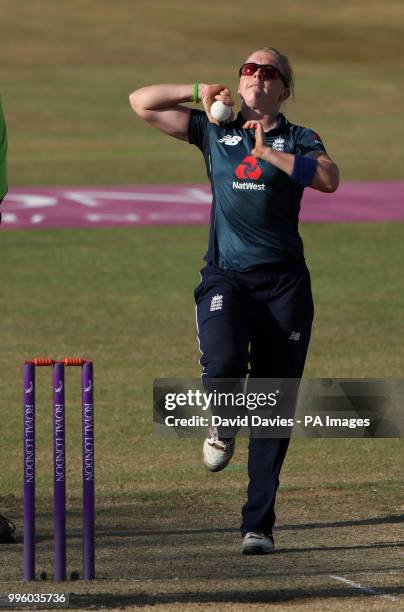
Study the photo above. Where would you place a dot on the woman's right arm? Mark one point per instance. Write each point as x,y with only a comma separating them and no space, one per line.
161,105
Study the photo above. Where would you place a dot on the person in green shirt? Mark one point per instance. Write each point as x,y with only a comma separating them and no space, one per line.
3,156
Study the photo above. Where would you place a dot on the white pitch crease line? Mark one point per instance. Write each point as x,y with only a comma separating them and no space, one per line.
356,585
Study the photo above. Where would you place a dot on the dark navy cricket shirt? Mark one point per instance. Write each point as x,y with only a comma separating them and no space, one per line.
255,206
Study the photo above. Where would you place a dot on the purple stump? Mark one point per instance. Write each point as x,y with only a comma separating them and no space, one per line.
88,472
59,470
29,471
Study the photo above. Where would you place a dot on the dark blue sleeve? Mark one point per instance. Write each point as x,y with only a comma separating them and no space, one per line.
197,128
307,140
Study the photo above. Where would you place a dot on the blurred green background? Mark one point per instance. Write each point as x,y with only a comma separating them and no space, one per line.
124,296
67,69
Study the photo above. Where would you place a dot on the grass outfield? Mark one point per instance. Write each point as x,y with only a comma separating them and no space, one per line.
113,295
68,68
124,297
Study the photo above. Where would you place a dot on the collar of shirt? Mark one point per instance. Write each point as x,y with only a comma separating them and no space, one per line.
282,122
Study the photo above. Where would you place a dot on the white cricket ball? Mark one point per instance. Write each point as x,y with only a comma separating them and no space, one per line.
220,111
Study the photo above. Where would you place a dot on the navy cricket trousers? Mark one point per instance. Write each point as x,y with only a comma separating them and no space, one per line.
258,321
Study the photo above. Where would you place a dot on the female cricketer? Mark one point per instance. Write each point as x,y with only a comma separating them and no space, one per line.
254,303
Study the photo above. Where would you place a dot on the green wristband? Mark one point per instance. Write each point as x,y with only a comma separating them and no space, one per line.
196,97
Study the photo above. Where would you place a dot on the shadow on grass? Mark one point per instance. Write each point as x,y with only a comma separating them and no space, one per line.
377,520
108,600
380,520
141,531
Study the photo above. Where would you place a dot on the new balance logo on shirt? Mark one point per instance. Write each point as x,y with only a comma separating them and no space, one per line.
216,303
230,140
294,336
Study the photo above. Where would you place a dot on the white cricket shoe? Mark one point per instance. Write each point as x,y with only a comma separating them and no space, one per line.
217,452
257,544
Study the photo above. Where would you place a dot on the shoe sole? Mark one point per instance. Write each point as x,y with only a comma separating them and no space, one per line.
215,468
257,550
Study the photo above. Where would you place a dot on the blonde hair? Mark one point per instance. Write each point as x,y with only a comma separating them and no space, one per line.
286,67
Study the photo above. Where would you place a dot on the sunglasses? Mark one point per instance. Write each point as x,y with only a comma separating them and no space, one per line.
268,71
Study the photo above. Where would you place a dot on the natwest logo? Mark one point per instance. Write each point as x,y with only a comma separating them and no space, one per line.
249,168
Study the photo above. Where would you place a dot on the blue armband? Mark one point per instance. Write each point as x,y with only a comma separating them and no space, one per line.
304,169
